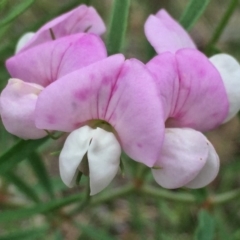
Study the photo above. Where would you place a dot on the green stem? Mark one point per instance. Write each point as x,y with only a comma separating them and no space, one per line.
102,198
160,193
225,197
140,171
118,26
54,137
112,195
86,201
23,149
221,26
189,198
45,208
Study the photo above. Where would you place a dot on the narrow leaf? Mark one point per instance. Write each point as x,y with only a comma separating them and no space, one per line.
2,4
40,171
58,235
24,188
206,226
15,11
193,12
26,234
91,232
18,152
42,208
221,26
118,26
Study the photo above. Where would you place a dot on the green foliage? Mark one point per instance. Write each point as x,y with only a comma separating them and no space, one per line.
18,152
58,236
118,26
206,226
93,233
31,234
210,48
193,11
38,167
14,11
22,186
42,208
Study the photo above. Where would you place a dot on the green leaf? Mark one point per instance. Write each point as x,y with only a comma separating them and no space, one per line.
18,152
25,189
137,220
93,233
15,11
221,26
2,4
118,26
26,234
58,235
42,208
40,171
206,226
200,194
193,12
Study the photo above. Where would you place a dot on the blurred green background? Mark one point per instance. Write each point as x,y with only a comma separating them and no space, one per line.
35,204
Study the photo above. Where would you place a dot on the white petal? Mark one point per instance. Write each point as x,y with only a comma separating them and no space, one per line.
208,172
229,70
24,39
103,159
75,147
184,153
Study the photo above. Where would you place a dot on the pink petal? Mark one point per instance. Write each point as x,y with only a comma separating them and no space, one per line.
121,93
18,100
48,62
166,34
78,97
136,113
164,69
202,101
78,20
184,154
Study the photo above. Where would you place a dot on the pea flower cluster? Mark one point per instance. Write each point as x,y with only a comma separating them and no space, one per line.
198,94
63,80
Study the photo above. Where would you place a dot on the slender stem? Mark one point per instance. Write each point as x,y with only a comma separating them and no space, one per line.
160,193
85,202
221,26
112,195
225,197
102,198
45,208
54,137
140,171
140,176
189,198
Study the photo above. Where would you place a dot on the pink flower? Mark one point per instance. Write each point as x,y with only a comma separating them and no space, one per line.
41,59
197,93
80,19
36,68
107,106
210,86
